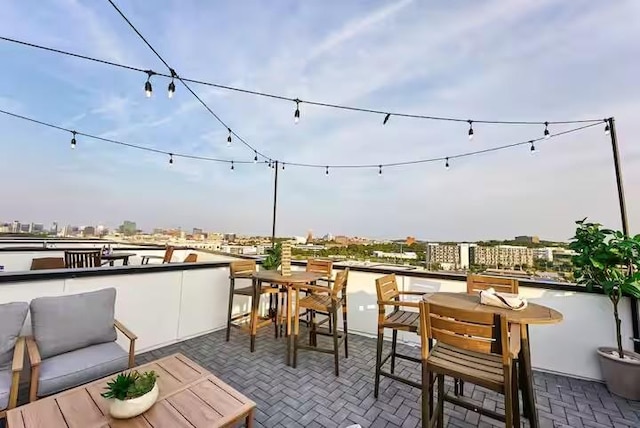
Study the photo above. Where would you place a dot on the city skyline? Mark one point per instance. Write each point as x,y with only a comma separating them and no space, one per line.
447,59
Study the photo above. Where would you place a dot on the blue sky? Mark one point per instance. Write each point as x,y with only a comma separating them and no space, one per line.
540,60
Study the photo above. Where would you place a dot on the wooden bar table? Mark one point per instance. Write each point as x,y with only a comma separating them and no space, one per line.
189,397
276,278
532,314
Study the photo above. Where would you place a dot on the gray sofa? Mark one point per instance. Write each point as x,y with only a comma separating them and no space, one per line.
12,316
74,341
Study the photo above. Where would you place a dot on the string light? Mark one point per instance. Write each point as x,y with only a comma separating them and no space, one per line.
296,114
446,164
255,158
147,85
546,130
232,167
229,138
533,148
73,139
386,119
379,169
326,171
607,130
283,166
470,129
170,158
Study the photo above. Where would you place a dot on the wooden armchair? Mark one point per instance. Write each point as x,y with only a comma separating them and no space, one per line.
16,369
63,355
477,283
168,254
397,320
12,316
82,259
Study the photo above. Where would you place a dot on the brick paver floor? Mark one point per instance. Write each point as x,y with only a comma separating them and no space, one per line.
311,396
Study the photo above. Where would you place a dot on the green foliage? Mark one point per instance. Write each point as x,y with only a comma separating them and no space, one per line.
274,256
608,260
130,385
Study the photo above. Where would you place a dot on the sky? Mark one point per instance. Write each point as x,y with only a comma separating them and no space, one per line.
528,60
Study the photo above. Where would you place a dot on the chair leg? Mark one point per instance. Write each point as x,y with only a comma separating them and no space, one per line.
313,337
336,346
508,398
394,342
275,313
295,341
378,362
440,408
231,288
515,393
344,328
255,303
427,396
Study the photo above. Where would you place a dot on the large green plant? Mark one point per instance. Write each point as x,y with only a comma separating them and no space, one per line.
130,385
273,259
609,260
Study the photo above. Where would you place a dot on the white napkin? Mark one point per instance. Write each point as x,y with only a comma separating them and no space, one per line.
502,300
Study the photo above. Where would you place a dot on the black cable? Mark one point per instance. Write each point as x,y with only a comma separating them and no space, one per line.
174,74
384,113
120,143
306,165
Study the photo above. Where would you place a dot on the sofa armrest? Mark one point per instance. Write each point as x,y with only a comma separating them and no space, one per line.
132,341
18,356
32,351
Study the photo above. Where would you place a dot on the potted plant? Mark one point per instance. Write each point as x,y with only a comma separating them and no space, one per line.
131,393
610,260
273,259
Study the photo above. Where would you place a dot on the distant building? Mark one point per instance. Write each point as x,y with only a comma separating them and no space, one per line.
15,226
448,256
310,236
89,231
128,227
37,228
25,228
229,237
501,256
342,240
5,228
405,256
528,239
54,228
197,231
299,240
410,240
545,254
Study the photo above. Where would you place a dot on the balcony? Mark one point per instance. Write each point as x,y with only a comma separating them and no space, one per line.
182,308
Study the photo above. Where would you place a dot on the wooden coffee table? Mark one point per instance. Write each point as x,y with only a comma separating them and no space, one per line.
190,396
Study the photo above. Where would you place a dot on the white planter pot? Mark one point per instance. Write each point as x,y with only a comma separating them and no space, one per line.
124,409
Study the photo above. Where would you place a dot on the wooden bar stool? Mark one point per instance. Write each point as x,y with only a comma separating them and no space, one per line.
324,301
397,320
478,283
473,346
244,269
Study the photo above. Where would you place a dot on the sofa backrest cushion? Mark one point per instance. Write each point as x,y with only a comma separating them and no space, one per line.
66,323
12,316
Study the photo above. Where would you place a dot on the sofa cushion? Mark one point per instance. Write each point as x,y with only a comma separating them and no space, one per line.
5,387
66,323
12,316
81,366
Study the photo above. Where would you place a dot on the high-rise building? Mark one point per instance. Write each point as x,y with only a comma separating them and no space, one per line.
501,256
448,256
89,231
309,237
15,226
128,227
54,228
37,227
25,228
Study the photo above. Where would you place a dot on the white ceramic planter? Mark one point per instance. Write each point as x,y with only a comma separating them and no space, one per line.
124,409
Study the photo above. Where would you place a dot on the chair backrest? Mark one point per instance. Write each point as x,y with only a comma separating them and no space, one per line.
12,316
82,259
477,283
191,258
482,332
65,323
168,253
340,284
324,267
387,287
242,268
47,263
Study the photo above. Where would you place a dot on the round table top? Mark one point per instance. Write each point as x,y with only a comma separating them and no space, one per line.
275,277
117,256
532,314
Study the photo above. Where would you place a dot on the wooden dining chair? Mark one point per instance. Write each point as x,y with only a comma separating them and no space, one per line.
473,346
244,269
397,320
324,301
82,259
47,263
166,258
477,283
191,258
325,268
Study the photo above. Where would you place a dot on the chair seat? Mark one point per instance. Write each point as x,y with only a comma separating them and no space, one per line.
5,387
248,291
475,367
316,302
78,367
402,320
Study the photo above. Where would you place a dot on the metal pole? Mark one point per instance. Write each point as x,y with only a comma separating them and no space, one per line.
625,226
275,200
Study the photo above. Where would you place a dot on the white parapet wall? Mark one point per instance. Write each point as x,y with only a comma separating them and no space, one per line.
164,306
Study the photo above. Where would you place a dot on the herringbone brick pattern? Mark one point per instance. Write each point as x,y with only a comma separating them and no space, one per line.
311,396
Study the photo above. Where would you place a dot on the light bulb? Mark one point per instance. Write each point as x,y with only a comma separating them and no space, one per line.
170,159
546,130
326,171
607,130
379,169
172,89
386,119
232,167
255,158
470,130
73,140
533,148
283,166
148,89
446,165
229,138
296,114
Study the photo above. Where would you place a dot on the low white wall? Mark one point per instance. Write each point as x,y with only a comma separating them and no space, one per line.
166,307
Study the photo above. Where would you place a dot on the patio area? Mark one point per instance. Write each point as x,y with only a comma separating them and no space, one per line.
310,396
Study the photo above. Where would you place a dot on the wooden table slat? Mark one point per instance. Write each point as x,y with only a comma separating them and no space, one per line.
137,422
43,413
194,409
215,397
179,370
164,415
14,420
79,409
